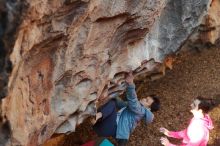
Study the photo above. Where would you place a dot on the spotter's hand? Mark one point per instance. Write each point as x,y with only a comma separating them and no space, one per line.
164,131
164,141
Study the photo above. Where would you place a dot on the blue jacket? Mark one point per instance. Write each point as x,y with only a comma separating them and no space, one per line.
132,114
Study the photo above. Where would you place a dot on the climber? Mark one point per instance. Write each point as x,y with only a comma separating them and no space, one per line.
197,133
120,124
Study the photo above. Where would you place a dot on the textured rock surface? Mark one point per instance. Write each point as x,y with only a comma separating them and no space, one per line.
69,53
10,16
208,32
210,27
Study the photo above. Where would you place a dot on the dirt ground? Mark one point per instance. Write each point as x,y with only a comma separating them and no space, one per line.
192,75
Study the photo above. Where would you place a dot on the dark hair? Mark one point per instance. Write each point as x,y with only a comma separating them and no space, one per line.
155,106
205,104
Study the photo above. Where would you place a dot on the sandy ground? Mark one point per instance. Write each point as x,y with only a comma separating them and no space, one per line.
192,75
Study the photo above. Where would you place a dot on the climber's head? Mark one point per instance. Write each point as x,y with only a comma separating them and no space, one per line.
201,105
152,102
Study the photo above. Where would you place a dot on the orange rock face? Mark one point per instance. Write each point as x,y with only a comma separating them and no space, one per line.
212,24
70,53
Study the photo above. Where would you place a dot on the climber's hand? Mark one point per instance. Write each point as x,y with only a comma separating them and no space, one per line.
129,78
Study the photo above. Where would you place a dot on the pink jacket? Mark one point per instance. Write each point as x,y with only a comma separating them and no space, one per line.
196,134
